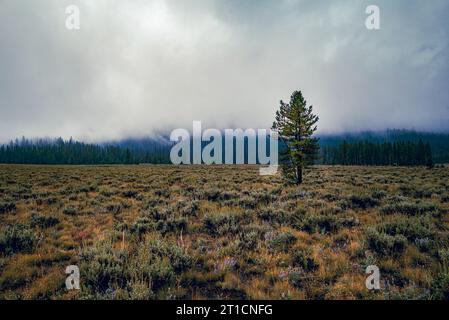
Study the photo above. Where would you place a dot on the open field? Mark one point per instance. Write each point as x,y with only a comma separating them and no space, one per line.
166,232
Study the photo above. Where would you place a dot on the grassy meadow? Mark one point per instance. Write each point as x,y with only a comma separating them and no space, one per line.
223,232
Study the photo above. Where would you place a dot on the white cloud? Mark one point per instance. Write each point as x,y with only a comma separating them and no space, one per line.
139,66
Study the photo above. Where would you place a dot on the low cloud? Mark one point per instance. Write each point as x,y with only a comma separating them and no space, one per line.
138,66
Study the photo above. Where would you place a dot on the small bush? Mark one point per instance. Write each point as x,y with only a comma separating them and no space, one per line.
70,211
248,240
171,224
142,225
415,191
363,202
247,202
384,244
190,209
103,267
107,192
304,260
326,223
163,221
379,194
424,244
179,260
330,197
281,241
115,207
272,215
411,209
295,219
411,229
17,238
166,221
440,287
43,221
224,223
130,194
443,256
7,206
158,262
140,290
218,195
296,278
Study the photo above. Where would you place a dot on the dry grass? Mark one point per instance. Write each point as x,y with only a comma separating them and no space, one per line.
166,232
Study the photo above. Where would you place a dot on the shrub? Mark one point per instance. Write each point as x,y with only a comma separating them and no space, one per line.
224,223
107,192
51,200
411,229
424,244
304,260
330,197
217,195
228,263
158,262
153,202
321,223
130,194
440,287
384,244
7,206
379,194
160,273
296,278
272,215
443,255
179,260
281,241
142,225
116,207
140,290
414,191
43,221
248,240
70,211
363,202
165,193
17,238
166,221
171,224
411,209
190,209
341,240
247,202
295,219
103,267
163,221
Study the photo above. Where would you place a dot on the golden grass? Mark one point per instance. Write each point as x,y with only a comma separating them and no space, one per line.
252,247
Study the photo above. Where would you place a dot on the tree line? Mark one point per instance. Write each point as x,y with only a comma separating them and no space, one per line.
362,149
439,141
59,151
400,153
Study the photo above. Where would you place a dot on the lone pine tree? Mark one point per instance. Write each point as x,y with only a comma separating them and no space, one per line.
295,124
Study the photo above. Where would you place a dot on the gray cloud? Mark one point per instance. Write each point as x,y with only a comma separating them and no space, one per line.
139,66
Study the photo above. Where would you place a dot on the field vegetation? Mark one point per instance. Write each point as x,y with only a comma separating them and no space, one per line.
212,232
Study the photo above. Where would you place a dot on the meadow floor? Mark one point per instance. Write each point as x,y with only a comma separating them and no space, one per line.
208,232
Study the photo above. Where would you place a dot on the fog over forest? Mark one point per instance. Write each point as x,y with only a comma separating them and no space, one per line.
139,67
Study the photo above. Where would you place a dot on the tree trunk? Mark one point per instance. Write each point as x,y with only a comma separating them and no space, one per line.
298,175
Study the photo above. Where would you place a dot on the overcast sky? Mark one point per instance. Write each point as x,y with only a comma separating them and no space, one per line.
137,66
